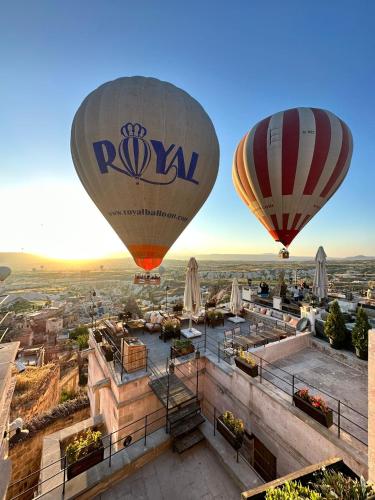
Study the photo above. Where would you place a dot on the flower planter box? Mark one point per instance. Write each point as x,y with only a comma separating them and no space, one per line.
245,367
215,322
233,440
325,419
85,463
108,353
98,337
170,334
176,352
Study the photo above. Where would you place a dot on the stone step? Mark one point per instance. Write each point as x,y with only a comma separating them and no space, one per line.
182,413
183,443
187,425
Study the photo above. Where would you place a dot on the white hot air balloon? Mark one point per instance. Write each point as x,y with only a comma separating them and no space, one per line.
148,155
4,273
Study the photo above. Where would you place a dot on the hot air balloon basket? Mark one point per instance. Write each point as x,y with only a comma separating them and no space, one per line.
146,279
323,417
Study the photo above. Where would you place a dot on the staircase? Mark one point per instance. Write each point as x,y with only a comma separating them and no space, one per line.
183,411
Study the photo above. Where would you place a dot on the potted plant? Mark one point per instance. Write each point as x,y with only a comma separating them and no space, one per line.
314,406
177,308
246,362
210,303
215,318
231,428
360,334
170,328
108,352
324,484
84,452
98,337
334,327
181,348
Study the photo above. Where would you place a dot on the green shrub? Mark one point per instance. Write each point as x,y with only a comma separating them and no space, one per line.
292,490
83,445
360,330
67,395
83,341
80,330
334,485
334,327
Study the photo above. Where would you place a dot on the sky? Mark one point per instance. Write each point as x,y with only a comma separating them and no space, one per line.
242,60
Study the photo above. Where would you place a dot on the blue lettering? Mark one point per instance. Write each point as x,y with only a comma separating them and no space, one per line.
161,156
105,153
177,162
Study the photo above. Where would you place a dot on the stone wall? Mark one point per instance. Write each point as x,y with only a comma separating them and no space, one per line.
26,454
294,438
69,382
286,347
47,397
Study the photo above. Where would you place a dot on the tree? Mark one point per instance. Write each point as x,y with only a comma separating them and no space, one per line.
360,332
334,327
80,330
132,307
83,341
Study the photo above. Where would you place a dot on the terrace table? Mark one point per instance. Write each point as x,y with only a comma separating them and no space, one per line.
246,342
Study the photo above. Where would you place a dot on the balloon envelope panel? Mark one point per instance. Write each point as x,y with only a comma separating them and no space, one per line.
148,155
289,165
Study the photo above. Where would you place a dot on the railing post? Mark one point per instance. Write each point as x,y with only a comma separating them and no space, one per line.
214,420
166,421
205,332
110,450
145,430
64,477
338,417
292,386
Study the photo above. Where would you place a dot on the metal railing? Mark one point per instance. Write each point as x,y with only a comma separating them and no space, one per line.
348,422
113,443
125,364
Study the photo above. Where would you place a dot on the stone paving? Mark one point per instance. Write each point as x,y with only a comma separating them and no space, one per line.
194,475
334,380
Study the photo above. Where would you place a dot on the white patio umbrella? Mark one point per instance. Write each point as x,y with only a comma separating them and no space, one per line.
235,298
320,284
192,295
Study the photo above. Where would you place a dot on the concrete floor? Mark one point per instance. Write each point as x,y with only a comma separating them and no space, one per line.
194,475
339,380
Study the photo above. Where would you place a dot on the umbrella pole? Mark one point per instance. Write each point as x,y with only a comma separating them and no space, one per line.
190,321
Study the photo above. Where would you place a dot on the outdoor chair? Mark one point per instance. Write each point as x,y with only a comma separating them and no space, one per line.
228,344
198,318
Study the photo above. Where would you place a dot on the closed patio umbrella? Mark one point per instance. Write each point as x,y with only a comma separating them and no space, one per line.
235,298
192,298
320,284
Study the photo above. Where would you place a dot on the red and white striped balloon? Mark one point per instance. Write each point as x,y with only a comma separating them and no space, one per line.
289,165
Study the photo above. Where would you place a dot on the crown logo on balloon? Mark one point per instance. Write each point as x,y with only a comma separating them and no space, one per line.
133,130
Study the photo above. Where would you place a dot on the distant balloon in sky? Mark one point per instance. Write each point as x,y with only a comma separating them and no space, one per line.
147,154
289,165
4,273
